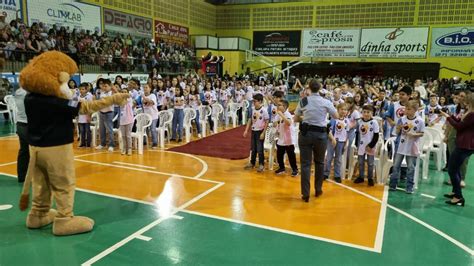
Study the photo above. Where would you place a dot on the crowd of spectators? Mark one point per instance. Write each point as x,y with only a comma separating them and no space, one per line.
112,52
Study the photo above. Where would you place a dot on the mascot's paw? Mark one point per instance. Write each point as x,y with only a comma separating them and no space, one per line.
37,220
72,225
120,98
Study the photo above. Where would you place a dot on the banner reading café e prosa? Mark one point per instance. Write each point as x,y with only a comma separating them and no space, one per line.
65,13
330,43
452,42
277,43
394,42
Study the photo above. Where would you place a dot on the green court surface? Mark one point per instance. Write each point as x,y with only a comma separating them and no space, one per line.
199,240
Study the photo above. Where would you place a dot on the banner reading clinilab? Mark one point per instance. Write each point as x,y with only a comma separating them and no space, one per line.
452,42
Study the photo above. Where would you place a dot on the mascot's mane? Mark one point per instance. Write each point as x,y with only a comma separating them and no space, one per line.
42,74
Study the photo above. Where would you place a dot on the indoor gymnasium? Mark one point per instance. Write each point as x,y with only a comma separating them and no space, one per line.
236,132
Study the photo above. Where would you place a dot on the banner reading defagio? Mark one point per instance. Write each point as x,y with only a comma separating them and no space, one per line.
116,21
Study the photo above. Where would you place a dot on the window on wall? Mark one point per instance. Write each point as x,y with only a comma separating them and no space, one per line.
446,12
282,17
233,18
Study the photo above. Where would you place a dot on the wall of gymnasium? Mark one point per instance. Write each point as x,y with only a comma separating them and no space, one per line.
242,20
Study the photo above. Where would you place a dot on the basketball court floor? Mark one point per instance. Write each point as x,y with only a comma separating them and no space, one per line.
165,208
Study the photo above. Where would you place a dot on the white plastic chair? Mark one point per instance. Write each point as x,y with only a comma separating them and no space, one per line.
189,116
217,111
438,148
143,122
11,107
245,112
425,153
232,113
165,118
388,161
269,144
94,128
378,160
204,113
353,160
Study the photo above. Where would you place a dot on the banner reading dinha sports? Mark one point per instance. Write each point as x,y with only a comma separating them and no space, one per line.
171,33
394,42
452,42
330,43
277,43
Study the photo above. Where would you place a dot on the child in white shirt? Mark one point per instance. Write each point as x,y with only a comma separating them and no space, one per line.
126,125
411,128
149,102
258,123
84,120
338,134
285,141
368,135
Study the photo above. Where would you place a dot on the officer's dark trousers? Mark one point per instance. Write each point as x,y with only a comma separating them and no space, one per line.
257,148
24,152
312,146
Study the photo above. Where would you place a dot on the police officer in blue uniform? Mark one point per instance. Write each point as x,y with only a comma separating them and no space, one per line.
312,113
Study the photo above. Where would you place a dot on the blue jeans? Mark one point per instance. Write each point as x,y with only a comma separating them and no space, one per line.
196,120
85,132
339,151
106,124
396,169
370,166
178,118
154,132
256,145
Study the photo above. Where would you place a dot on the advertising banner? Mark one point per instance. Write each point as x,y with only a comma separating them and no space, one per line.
277,43
394,42
118,22
11,9
452,42
65,13
330,43
171,33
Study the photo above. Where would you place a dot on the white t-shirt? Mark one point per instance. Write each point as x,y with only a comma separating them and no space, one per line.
210,97
126,113
367,130
430,110
178,99
340,128
151,109
421,89
285,132
345,95
409,145
239,96
398,112
193,101
259,118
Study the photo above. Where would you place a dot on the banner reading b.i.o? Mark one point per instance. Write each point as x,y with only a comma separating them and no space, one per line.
171,33
394,42
452,42
277,43
119,22
330,43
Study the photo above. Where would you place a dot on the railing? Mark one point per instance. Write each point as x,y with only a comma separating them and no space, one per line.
16,60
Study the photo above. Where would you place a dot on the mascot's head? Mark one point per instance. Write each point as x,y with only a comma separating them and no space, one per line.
48,74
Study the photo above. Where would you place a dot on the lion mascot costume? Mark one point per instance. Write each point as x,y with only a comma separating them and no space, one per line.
50,108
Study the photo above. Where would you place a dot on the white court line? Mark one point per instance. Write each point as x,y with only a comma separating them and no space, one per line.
7,137
148,227
144,238
204,164
428,196
381,224
136,165
279,230
5,164
148,171
428,226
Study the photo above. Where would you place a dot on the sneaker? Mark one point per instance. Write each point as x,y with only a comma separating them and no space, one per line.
100,147
199,135
111,149
172,140
280,170
337,179
260,168
390,188
463,184
249,166
154,147
326,177
122,152
359,180
180,140
409,191
371,182
295,172
129,152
